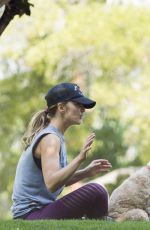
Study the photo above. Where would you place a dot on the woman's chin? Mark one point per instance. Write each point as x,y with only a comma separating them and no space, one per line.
79,122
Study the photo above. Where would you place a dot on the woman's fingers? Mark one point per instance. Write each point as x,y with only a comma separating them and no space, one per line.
102,162
92,135
88,148
89,140
100,165
101,168
88,144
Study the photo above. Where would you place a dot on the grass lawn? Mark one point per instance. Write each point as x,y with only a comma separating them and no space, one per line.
71,225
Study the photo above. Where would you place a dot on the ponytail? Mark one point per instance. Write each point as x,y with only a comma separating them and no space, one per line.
39,121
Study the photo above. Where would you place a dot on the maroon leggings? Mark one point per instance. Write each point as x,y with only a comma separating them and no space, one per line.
91,201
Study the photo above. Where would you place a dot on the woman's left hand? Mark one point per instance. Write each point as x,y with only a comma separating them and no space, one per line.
97,166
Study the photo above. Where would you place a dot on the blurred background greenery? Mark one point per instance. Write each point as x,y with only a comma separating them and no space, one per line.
105,48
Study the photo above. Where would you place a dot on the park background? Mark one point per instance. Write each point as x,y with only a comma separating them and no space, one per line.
104,46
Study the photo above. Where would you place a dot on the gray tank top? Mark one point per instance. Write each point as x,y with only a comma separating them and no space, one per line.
29,191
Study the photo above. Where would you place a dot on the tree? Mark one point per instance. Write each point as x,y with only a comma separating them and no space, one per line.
13,8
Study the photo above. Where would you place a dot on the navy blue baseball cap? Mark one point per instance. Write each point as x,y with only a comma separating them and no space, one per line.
67,92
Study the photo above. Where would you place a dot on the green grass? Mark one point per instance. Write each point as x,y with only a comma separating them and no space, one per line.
71,225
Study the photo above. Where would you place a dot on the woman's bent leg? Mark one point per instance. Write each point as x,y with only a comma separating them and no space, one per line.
91,201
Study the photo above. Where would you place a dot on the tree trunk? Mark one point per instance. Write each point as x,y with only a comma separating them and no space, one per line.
4,20
12,8
3,2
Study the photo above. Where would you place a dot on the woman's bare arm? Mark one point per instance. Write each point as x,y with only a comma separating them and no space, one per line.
55,177
95,167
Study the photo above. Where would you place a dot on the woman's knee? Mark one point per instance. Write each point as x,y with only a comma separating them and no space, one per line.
98,187
98,199
101,193
98,190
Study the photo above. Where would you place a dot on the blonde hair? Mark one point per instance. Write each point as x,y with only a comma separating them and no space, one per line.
38,121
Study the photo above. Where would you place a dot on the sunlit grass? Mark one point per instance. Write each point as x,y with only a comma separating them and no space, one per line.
72,225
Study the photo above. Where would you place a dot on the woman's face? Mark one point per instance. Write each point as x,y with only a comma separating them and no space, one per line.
74,113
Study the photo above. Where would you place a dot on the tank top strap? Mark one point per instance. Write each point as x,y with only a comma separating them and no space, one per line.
47,130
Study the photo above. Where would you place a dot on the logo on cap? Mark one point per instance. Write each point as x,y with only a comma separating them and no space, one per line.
77,88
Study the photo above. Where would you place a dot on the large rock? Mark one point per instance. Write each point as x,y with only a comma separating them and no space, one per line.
131,200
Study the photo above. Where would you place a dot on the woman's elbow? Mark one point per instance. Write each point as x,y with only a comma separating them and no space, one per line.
51,187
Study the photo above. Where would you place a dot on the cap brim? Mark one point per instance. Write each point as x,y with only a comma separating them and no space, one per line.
86,102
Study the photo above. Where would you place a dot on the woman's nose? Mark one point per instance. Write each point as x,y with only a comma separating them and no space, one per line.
82,109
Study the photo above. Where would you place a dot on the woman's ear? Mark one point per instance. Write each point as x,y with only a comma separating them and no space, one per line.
61,107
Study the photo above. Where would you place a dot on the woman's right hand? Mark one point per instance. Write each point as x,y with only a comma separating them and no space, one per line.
86,147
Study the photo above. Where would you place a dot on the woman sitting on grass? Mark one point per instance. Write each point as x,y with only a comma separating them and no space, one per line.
43,171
